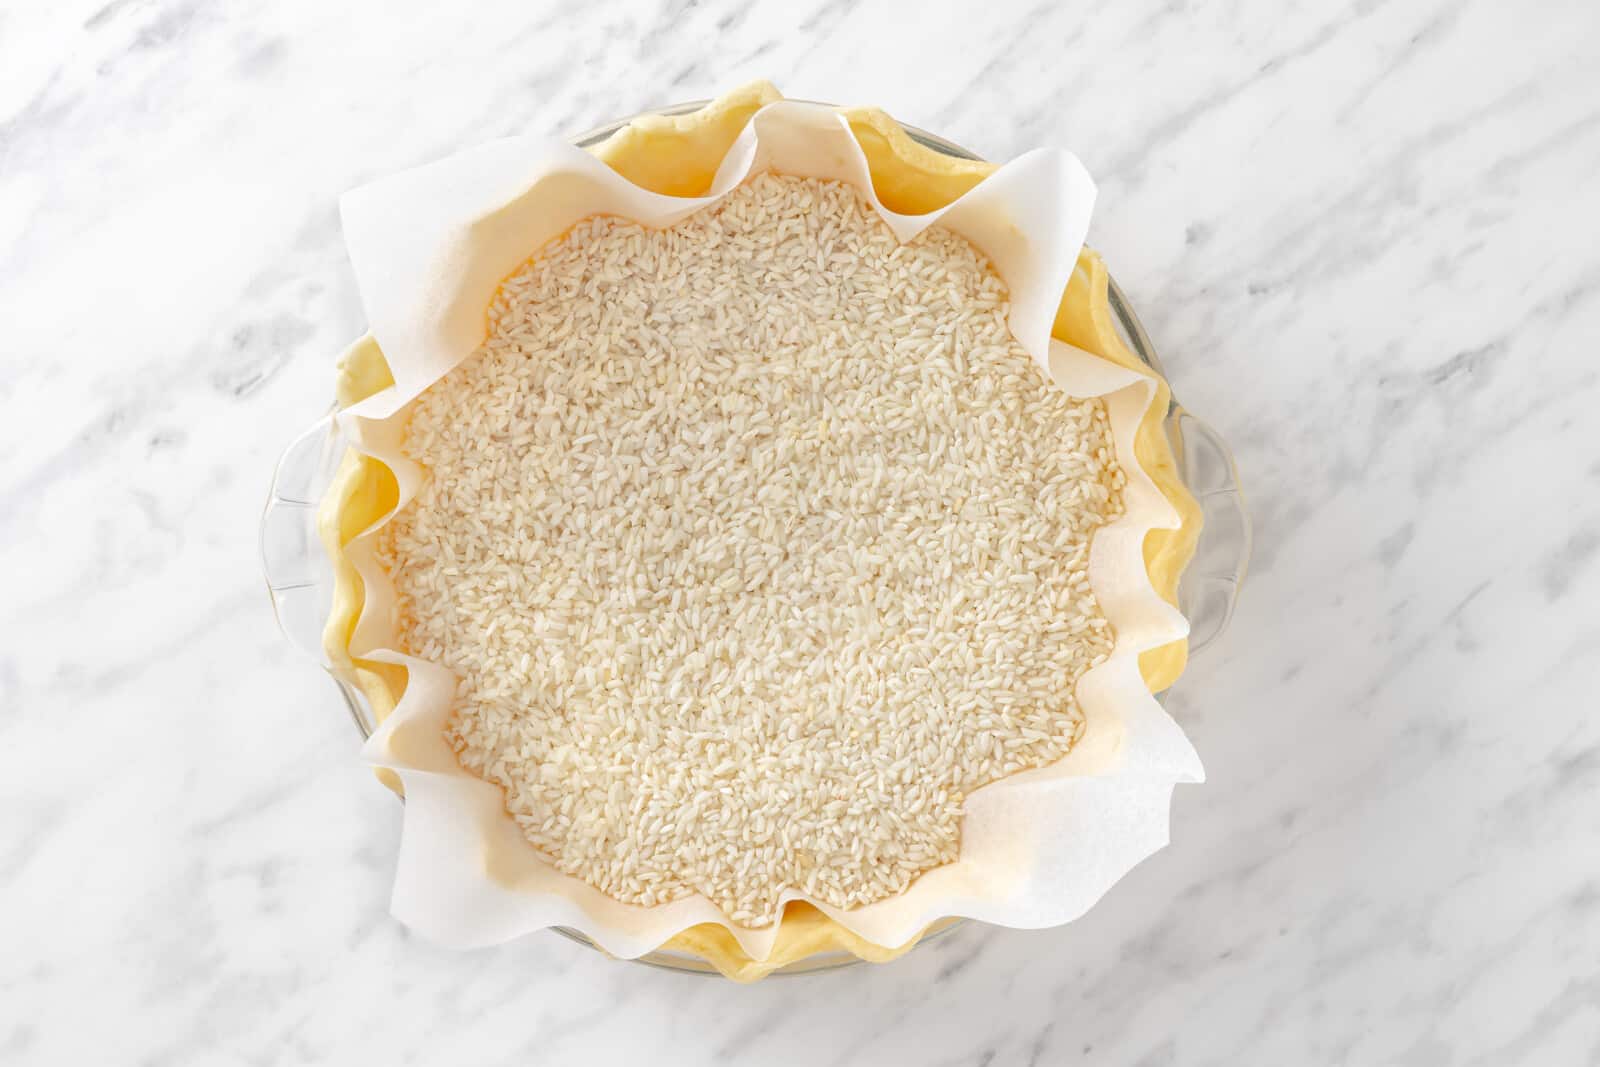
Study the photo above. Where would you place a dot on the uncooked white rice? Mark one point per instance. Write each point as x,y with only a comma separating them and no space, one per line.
757,543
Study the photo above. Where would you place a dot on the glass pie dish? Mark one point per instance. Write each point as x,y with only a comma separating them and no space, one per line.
300,575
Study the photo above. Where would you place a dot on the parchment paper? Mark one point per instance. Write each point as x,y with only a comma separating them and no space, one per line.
429,248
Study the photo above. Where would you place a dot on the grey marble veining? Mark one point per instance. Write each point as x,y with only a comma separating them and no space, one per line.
1363,237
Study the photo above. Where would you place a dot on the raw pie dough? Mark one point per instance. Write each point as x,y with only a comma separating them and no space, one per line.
679,156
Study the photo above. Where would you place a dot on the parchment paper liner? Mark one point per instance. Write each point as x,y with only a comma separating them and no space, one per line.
429,248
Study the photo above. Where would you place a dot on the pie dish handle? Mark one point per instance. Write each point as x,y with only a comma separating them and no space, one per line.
298,572
1209,588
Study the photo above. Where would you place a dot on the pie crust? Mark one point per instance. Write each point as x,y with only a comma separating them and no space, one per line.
679,155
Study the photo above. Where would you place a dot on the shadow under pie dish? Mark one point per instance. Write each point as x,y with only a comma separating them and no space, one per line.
707,460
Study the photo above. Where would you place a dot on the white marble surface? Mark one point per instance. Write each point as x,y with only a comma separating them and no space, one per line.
1364,238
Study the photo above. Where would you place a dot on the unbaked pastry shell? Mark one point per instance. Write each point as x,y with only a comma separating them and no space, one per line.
679,156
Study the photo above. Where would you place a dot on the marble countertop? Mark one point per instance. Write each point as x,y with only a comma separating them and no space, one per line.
1363,239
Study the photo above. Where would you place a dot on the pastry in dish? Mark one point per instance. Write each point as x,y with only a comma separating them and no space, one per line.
757,542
